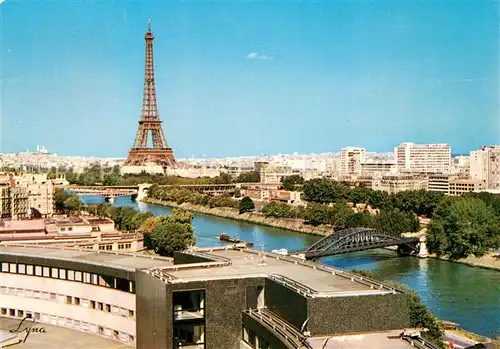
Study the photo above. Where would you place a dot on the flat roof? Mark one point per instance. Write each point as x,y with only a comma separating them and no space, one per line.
307,276
27,225
56,337
361,341
129,261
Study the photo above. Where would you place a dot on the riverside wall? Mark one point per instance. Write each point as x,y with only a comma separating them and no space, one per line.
256,218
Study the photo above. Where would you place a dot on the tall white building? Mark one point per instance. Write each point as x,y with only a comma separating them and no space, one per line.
423,158
351,159
485,166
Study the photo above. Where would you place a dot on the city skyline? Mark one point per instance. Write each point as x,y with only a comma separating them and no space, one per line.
249,75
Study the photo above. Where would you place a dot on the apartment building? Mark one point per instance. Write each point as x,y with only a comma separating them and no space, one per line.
485,166
423,158
14,202
373,168
274,174
398,183
439,183
351,159
463,186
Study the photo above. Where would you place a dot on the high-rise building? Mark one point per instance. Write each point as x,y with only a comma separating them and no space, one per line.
351,159
485,166
423,158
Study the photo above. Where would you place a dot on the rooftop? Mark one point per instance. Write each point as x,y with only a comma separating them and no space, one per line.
129,261
28,225
380,340
56,337
304,276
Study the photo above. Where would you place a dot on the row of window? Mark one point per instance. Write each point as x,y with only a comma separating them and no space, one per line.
70,323
70,275
87,303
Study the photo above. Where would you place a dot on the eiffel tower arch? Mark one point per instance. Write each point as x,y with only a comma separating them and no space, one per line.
159,156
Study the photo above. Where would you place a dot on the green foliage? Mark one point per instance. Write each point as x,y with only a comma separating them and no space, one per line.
324,190
396,222
359,219
66,202
462,227
420,315
246,205
182,216
126,218
170,235
293,182
181,195
278,210
335,215
248,177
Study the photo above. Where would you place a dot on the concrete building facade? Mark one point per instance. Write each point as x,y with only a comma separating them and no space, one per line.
423,158
211,298
351,159
485,166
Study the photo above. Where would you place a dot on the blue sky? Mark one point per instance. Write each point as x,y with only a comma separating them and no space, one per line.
248,78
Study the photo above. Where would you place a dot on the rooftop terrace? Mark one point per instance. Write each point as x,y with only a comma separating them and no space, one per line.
128,261
305,277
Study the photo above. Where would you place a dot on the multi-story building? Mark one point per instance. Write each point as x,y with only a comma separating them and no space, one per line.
351,159
13,202
396,184
85,232
371,168
274,174
463,186
423,158
439,183
485,166
212,298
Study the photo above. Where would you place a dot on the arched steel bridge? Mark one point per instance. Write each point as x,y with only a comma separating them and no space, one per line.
356,239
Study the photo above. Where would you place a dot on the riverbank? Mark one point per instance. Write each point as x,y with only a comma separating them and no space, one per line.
250,217
488,261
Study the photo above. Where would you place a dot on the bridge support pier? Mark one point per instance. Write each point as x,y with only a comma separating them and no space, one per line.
110,199
423,252
142,192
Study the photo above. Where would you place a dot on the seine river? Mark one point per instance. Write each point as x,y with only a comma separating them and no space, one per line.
455,292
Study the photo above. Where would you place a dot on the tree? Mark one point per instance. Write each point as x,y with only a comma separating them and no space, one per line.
170,236
73,204
292,182
324,190
248,177
182,216
359,219
246,205
462,227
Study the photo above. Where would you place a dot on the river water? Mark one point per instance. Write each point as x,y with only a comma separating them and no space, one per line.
455,292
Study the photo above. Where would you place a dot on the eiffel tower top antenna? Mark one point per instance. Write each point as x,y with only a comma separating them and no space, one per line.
149,24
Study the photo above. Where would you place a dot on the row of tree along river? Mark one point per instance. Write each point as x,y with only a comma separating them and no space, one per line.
455,292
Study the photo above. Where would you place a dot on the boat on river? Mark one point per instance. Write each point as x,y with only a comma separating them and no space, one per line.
227,238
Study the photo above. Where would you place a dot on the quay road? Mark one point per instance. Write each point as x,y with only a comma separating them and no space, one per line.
455,292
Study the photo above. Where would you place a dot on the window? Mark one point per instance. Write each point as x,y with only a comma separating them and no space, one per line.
108,308
99,306
130,313
94,279
13,268
29,269
46,271
5,267
70,228
86,278
71,275
109,247
189,304
62,274
55,273
68,300
92,304
77,301
189,335
78,276
38,270
21,268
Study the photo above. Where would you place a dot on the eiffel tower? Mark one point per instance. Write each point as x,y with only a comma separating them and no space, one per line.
160,153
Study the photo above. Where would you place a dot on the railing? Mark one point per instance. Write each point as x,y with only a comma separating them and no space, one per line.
420,343
290,336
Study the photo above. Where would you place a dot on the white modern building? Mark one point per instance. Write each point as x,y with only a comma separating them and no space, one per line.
485,166
351,159
423,158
